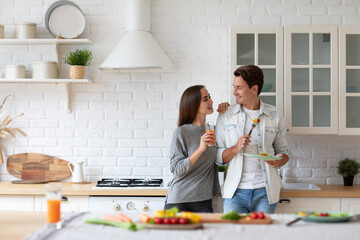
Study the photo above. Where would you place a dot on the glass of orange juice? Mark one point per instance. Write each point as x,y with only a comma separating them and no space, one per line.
53,200
209,128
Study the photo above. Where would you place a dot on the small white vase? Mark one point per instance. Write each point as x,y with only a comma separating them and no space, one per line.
221,178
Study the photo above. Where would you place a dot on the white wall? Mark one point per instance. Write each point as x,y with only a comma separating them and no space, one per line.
122,122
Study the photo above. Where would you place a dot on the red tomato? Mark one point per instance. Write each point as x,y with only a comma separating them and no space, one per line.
167,221
254,215
174,220
184,220
261,214
158,220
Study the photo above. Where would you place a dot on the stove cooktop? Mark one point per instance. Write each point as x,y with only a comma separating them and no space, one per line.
130,182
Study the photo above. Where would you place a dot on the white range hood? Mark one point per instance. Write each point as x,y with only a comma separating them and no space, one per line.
137,49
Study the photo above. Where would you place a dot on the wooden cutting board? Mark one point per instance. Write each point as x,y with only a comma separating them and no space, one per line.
37,167
216,218
174,226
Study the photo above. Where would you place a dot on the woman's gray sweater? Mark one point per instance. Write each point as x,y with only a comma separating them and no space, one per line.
191,183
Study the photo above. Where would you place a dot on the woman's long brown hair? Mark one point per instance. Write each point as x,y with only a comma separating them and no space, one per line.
189,104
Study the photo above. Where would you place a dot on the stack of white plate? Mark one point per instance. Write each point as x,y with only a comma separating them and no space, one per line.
65,19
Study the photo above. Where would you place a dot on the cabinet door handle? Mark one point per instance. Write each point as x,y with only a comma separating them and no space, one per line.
285,200
64,199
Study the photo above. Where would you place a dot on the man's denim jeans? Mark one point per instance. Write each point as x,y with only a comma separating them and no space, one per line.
249,200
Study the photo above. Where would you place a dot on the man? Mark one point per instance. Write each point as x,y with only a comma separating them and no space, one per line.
250,184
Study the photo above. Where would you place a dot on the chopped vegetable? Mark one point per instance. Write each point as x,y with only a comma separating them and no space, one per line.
123,218
233,215
144,218
254,215
125,225
194,218
261,215
172,212
302,214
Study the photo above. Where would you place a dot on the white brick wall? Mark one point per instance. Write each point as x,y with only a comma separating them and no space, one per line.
122,122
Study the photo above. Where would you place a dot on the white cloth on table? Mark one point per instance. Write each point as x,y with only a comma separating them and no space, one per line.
77,229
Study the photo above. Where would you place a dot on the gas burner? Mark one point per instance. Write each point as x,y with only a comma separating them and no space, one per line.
130,182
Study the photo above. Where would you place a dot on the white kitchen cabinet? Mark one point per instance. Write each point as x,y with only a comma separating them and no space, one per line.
291,205
16,203
57,43
311,80
73,203
350,205
261,46
349,81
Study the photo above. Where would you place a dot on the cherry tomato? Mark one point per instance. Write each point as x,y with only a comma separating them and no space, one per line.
167,220
184,220
158,220
174,220
254,215
261,214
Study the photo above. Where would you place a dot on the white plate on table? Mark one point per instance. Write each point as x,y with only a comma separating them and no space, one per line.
66,20
333,217
260,157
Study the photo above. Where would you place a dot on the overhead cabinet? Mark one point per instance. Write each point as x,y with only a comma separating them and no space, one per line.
349,81
312,73
311,80
261,46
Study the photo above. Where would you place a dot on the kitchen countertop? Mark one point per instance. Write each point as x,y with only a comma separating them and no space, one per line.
72,189
75,189
17,225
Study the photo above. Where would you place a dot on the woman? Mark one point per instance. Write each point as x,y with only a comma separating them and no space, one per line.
192,161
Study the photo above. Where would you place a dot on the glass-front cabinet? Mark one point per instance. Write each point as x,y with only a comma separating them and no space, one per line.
311,77
261,46
349,81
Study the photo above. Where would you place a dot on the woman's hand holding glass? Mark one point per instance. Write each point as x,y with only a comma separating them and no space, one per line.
208,139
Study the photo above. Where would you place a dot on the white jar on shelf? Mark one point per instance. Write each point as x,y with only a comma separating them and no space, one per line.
2,32
44,70
13,71
25,30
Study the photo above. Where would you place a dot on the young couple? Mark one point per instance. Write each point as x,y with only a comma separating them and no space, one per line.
250,184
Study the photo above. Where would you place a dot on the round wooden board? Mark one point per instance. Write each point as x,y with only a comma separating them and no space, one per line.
37,166
174,226
28,182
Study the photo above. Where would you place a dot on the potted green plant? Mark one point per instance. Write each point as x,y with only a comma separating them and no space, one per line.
77,61
348,168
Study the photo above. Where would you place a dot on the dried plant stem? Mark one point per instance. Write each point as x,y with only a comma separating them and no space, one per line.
1,157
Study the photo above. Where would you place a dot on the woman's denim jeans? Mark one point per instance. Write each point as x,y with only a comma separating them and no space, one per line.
249,200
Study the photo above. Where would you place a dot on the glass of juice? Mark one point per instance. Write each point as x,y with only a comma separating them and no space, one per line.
209,128
53,201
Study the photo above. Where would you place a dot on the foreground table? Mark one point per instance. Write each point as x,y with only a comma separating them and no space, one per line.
18,225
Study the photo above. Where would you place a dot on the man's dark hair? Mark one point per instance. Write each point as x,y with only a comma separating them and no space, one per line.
252,75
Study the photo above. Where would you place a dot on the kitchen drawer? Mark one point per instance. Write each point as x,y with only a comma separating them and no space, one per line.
350,205
73,203
16,203
291,205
